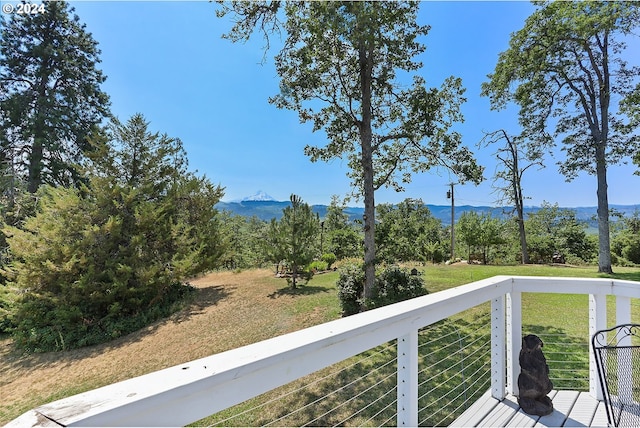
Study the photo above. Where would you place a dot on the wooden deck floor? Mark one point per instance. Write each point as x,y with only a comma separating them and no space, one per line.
571,409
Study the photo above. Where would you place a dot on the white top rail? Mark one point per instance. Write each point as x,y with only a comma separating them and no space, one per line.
188,392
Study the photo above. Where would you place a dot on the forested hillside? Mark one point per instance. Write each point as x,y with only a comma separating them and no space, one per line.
266,210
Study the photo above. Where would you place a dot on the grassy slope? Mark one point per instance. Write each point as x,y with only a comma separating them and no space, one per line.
230,310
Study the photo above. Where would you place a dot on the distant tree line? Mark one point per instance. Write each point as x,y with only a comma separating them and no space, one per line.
409,232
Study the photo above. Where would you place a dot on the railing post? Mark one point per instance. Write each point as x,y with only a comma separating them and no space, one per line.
597,321
514,340
623,310
623,316
498,348
408,379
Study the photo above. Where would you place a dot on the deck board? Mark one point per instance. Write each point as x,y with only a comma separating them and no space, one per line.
600,418
501,414
571,409
563,402
478,410
582,412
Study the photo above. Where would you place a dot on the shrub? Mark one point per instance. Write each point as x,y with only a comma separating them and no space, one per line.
329,259
318,265
350,287
631,251
47,323
394,284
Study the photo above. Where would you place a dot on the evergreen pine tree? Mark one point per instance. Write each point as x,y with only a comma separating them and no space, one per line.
105,259
294,238
50,97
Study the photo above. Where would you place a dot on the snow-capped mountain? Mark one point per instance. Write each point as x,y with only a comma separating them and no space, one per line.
259,196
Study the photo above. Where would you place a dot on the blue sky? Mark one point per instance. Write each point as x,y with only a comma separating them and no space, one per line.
167,60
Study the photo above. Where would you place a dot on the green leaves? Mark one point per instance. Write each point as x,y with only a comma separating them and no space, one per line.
404,230
566,64
566,67
322,79
551,230
338,71
392,285
112,256
479,231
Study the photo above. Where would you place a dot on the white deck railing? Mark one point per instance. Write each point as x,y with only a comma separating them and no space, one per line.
189,392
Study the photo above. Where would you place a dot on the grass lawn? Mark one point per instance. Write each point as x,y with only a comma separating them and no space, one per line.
235,309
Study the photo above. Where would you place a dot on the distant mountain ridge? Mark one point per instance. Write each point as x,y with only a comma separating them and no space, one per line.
268,209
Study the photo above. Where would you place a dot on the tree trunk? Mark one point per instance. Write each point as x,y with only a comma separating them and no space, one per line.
516,181
523,237
366,134
523,241
35,165
604,245
36,157
369,223
294,274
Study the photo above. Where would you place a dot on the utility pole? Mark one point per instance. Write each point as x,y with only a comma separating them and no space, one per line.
453,239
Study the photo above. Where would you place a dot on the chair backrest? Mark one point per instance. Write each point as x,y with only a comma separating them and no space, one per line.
617,354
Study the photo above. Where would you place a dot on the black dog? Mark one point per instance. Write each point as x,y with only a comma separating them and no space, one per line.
533,381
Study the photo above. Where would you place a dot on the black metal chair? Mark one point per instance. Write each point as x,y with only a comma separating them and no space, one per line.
617,354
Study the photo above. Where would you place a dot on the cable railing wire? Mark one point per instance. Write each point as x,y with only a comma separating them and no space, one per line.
446,397
394,388
469,365
388,420
480,383
452,355
485,382
353,397
391,403
353,382
454,370
306,386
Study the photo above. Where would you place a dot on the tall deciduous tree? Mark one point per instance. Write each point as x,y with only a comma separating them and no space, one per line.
403,229
514,162
557,231
630,106
338,70
341,235
479,230
566,64
50,96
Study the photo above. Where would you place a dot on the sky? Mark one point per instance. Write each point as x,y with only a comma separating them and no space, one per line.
167,60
